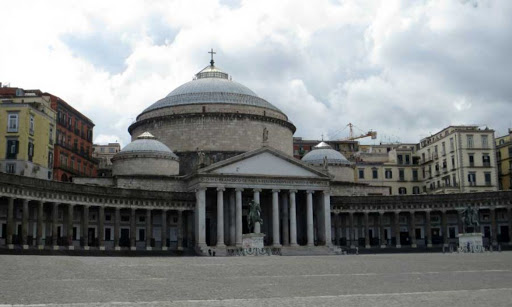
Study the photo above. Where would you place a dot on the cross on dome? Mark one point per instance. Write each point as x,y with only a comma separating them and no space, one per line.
211,52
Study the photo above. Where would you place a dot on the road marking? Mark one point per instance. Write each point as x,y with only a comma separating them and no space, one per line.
266,299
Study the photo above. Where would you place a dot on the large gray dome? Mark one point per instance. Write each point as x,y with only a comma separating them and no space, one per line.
324,151
211,85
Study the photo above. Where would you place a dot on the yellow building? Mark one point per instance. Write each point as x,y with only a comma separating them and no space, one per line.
27,132
504,157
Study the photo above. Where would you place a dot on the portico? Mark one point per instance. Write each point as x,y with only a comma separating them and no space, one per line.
294,200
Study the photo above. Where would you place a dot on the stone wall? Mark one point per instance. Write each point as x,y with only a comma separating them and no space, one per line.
217,132
212,108
145,166
351,189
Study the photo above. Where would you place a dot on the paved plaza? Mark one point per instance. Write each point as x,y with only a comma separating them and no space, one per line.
354,280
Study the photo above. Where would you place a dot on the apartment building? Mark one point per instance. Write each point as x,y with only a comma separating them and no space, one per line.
504,158
459,159
27,133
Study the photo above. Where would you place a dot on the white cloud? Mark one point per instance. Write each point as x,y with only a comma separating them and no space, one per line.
402,68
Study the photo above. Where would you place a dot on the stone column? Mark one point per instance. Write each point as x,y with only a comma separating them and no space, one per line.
381,230
55,218
149,230
460,226
40,217
117,220
327,217
220,218
285,222
366,230
428,234
10,222
133,229
293,219
69,227
309,218
444,222
238,222
101,227
24,225
275,218
163,230
337,229
397,229
351,233
256,198
180,230
200,217
494,227
412,229
232,219
510,226
85,227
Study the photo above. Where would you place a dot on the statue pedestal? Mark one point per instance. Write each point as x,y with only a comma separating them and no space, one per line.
252,240
471,242
252,245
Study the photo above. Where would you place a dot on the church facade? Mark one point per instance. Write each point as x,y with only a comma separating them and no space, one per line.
198,157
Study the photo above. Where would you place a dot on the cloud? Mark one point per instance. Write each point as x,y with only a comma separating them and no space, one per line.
405,69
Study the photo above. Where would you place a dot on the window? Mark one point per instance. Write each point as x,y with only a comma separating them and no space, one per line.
470,141
402,191
388,173
75,145
12,125
12,149
30,150
484,141
415,174
487,176
10,168
486,160
51,135
401,174
361,173
472,178
375,174
471,160
453,162
444,149
407,159
454,180
50,159
111,150
400,159
102,149
31,125
107,234
415,190
445,165
451,144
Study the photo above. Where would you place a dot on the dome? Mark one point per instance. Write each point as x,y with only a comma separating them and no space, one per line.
322,151
211,85
147,143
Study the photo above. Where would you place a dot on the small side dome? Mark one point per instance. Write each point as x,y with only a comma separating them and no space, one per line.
147,143
324,151
146,156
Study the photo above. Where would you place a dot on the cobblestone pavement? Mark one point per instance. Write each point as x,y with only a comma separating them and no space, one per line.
364,280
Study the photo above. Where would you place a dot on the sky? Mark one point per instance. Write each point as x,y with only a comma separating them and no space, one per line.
406,69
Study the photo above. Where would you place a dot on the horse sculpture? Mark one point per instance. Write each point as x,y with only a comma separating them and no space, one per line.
254,215
470,219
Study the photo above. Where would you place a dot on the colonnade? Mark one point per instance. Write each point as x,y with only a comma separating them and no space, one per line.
375,234
284,221
51,221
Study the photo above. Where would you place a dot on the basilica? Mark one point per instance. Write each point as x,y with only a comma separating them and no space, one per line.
198,157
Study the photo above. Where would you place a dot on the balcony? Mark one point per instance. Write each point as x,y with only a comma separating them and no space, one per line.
445,189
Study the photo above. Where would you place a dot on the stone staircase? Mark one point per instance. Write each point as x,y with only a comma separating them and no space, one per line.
309,250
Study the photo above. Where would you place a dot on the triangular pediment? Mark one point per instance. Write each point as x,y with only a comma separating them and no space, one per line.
264,162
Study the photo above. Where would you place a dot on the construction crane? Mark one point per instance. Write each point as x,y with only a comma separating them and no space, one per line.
352,136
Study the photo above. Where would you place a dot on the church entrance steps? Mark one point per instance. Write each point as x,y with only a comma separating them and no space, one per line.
307,250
